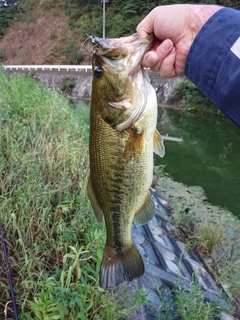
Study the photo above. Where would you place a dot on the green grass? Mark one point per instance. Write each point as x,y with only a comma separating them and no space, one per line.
191,304
188,304
54,242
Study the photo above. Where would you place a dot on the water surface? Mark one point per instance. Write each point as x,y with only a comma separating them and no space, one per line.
209,155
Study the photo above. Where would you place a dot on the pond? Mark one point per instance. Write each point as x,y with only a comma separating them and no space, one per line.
208,156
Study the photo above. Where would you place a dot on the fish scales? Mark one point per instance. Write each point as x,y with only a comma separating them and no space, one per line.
121,144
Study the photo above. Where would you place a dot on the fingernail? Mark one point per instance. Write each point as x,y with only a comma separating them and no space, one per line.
166,45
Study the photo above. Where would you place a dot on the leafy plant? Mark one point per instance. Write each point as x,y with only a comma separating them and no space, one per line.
7,14
67,85
187,303
53,36
191,305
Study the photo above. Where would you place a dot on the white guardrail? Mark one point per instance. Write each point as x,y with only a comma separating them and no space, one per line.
48,68
45,67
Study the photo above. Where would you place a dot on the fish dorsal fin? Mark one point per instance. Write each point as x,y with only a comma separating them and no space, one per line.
98,212
146,212
158,146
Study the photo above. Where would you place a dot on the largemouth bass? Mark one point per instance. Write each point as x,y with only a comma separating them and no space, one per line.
123,137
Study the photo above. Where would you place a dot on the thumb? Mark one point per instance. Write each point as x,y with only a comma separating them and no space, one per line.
145,27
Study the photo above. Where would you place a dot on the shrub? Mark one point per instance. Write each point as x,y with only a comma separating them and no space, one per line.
187,95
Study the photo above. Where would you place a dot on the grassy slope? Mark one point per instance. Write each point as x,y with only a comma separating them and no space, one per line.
41,35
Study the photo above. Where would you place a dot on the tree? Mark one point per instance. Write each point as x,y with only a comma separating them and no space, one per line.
7,11
8,3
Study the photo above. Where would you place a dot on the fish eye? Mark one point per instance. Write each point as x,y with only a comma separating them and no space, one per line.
98,72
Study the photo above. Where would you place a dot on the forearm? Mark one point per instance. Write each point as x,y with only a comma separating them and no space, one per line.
214,66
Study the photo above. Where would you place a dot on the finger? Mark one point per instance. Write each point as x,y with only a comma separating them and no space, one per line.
150,59
162,51
167,68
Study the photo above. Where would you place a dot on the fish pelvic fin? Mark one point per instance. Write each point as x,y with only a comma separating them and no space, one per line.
98,212
146,212
119,267
158,145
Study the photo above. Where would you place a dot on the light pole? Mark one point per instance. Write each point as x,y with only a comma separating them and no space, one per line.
104,1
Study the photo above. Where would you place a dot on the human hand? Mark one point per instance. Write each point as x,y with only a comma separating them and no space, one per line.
175,27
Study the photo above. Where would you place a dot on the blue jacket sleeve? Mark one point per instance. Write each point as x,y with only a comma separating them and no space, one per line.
213,62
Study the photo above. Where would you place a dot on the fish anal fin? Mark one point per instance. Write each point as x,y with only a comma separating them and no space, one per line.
98,212
158,145
134,145
146,212
119,267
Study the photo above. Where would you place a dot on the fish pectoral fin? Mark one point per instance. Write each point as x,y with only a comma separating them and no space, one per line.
158,145
98,212
134,145
146,212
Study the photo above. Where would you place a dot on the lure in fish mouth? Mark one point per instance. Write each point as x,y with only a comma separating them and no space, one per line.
122,140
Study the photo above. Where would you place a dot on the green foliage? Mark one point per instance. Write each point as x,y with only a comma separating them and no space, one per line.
85,16
187,94
7,14
24,10
53,36
195,100
191,305
122,17
73,52
47,4
67,84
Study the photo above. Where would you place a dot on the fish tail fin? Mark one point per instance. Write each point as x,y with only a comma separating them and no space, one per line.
119,267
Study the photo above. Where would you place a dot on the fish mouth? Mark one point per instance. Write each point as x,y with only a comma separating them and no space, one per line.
113,43
130,47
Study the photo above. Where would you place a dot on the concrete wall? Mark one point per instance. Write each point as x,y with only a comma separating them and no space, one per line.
83,83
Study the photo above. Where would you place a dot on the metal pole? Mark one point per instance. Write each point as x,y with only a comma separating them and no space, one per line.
8,273
103,19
